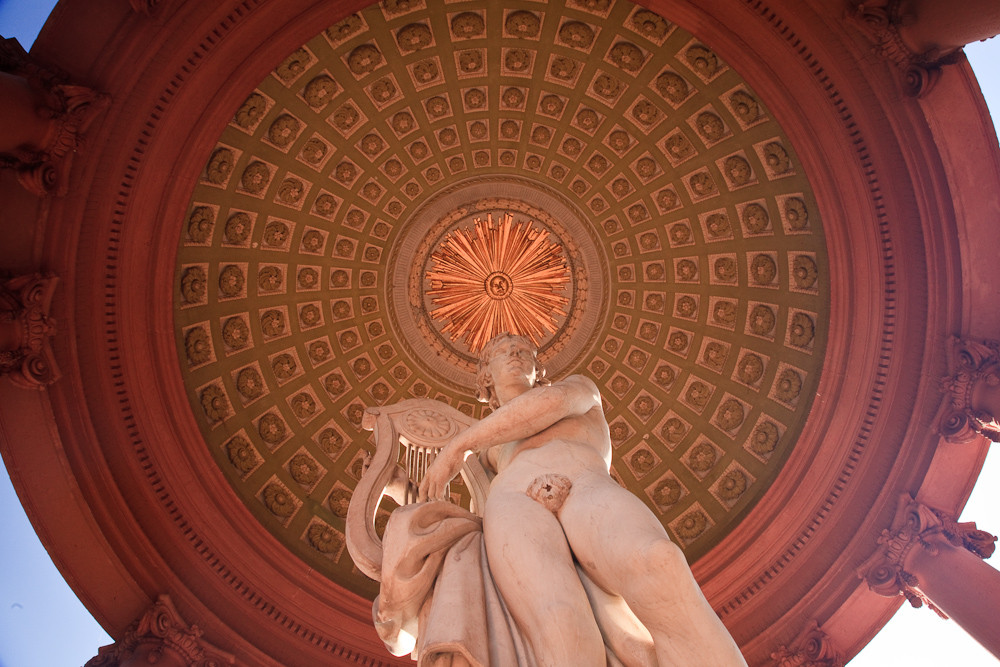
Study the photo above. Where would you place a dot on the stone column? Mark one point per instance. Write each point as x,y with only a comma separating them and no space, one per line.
972,391
42,117
930,559
161,637
920,36
942,26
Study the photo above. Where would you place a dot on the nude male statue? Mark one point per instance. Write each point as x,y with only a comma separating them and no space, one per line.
553,505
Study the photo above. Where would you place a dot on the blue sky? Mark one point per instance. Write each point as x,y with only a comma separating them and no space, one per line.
42,624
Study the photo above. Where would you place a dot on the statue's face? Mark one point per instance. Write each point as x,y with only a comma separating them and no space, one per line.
513,361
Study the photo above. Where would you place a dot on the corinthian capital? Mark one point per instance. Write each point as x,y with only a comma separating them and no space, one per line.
147,7
972,391
883,23
25,329
160,636
812,648
43,117
917,526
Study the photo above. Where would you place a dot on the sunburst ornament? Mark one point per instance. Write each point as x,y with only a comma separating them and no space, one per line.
498,276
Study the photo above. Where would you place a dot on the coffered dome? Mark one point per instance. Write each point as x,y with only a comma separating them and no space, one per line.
632,167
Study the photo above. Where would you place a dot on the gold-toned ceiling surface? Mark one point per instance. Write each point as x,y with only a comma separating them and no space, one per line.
696,292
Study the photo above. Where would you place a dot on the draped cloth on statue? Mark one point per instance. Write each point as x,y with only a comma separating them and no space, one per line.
439,602
437,588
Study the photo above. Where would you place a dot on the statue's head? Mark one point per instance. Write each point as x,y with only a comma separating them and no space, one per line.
484,381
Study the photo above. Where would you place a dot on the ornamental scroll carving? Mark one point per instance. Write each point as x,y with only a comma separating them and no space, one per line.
25,329
881,22
972,391
812,648
918,526
44,116
160,636
147,7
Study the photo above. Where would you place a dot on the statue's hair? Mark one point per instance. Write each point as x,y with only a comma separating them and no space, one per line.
484,381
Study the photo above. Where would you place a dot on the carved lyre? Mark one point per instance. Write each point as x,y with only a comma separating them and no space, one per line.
407,436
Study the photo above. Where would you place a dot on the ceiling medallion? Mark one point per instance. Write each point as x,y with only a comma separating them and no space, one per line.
498,276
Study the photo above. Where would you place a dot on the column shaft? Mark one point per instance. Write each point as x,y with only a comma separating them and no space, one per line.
943,25
962,586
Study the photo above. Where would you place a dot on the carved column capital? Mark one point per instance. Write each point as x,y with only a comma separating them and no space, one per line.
160,636
25,329
917,526
43,117
147,7
972,391
882,22
812,648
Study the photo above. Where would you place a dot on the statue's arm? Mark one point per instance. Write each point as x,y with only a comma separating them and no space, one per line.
522,417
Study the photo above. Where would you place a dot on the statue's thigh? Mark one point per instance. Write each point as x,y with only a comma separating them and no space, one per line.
533,568
519,532
527,551
608,528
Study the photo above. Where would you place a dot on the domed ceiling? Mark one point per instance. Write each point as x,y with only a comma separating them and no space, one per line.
424,173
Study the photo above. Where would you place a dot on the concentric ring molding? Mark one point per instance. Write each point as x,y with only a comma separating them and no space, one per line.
458,206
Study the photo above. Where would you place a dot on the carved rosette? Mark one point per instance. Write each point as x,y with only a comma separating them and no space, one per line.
918,526
812,648
500,276
25,329
59,112
972,391
428,425
160,636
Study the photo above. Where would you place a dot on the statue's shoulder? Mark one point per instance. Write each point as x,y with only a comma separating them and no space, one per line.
581,383
577,379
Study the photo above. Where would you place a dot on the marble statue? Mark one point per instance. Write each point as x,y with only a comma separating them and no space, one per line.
565,567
